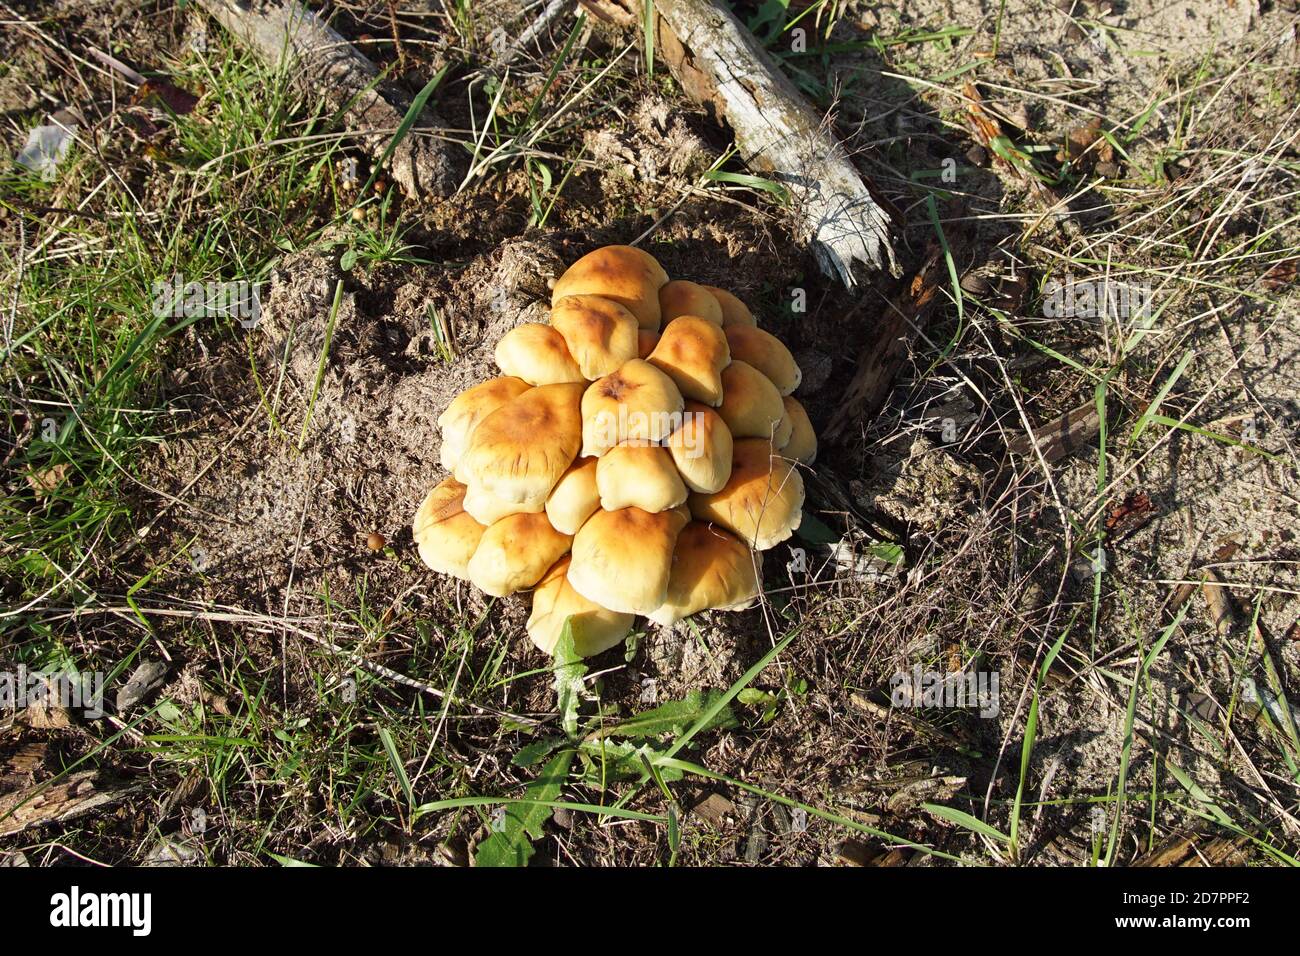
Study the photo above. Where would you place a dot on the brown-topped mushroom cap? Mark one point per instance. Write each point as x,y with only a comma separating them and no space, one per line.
712,568
629,276
514,553
762,502
469,408
693,352
519,451
636,403
600,334
767,353
594,628
622,559
639,475
682,297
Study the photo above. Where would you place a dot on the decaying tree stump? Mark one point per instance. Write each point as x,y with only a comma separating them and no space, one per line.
326,65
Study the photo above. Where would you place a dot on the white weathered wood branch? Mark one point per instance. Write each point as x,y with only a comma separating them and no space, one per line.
325,64
778,133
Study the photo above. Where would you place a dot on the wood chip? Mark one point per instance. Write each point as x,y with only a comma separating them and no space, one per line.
717,811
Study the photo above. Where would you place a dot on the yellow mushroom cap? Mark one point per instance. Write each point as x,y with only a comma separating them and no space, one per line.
762,502
682,297
639,475
600,334
734,312
767,353
487,509
712,568
574,496
594,628
629,276
646,342
538,354
469,408
751,405
693,352
514,553
701,448
802,446
636,403
622,559
519,451
446,536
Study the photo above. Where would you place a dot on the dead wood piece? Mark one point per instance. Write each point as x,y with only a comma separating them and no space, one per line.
778,134
56,803
1062,436
894,333
326,65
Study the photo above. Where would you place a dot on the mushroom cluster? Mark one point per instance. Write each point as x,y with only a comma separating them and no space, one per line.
636,456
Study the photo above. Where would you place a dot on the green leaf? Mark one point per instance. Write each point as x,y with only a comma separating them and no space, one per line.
778,191
675,716
395,761
964,820
814,531
512,844
569,671
605,761
533,753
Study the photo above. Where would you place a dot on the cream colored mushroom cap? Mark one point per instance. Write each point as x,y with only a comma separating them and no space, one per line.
802,446
762,502
538,354
712,568
574,496
519,451
683,297
693,352
622,559
702,448
595,628
636,403
446,536
469,408
487,509
629,276
751,405
600,334
734,312
639,475
514,553
767,353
